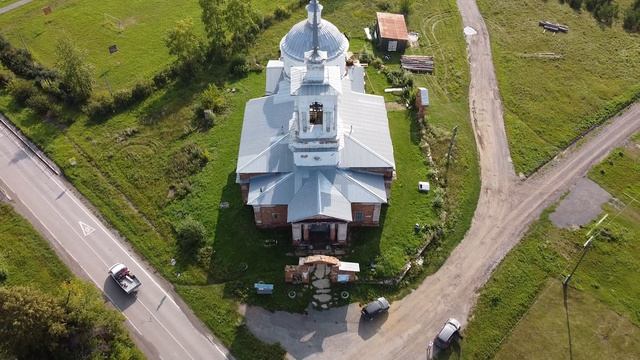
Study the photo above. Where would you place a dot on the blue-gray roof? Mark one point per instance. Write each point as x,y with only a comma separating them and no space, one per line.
300,40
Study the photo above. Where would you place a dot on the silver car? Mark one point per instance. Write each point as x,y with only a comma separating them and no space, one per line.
449,333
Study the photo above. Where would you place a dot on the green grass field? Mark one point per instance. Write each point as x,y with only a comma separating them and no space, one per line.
27,257
523,300
549,102
597,332
136,27
121,165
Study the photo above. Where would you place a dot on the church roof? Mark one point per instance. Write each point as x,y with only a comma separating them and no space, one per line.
300,40
317,192
365,132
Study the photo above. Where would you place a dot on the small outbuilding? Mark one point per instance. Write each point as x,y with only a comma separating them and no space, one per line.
391,32
422,101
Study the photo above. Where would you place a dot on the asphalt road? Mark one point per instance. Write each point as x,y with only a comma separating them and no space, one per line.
15,5
505,209
160,326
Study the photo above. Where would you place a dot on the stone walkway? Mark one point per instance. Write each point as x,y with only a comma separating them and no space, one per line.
322,286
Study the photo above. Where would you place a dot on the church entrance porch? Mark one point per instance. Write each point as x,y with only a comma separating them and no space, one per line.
319,237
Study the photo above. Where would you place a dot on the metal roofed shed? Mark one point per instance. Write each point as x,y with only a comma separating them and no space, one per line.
391,32
422,100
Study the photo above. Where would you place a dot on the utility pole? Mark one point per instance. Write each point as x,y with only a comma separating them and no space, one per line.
585,248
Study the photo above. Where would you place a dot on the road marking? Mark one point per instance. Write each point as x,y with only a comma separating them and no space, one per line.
86,229
117,243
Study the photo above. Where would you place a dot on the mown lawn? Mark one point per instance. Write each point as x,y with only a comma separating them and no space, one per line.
549,102
136,27
121,165
605,284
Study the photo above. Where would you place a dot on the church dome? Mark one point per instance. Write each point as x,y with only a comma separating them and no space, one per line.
300,38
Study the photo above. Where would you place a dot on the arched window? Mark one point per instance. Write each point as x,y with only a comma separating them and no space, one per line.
315,113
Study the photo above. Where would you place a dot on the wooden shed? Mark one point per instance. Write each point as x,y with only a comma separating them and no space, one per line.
391,32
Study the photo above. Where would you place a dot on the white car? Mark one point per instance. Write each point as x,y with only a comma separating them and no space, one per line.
449,333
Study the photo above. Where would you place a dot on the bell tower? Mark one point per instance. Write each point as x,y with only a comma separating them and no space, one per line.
316,87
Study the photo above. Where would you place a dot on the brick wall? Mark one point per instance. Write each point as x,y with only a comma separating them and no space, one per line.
270,216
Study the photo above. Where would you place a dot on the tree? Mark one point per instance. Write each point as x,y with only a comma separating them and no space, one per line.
240,21
183,43
76,73
32,324
214,25
72,324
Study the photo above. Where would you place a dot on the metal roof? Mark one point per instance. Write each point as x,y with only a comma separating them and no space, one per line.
424,96
300,40
264,145
280,189
392,26
349,266
318,197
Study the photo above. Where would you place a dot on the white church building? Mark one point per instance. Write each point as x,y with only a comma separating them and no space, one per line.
315,152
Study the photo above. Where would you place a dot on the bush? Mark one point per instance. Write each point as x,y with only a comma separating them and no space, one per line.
162,78
190,234
213,99
142,90
281,13
384,5
40,103
632,17
4,274
190,159
100,107
238,66
399,78
21,63
405,7
366,56
121,99
6,77
22,90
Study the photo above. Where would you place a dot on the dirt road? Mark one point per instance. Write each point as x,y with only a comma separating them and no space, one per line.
505,209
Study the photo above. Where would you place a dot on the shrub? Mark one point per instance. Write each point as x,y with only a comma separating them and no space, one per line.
162,78
631,20
4,274
99,107
238,66
201,120
121,99
190,159
384,5
405,7
142,90
281,13
190,234
40,103
399,78
213,99
366,56
5,78
21,63
377,63
22,90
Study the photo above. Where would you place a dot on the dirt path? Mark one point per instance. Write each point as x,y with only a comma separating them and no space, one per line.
505,209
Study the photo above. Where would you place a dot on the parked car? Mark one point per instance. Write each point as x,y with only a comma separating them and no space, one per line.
449,333
375,308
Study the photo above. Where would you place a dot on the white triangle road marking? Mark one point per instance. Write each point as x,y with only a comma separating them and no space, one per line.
86,229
